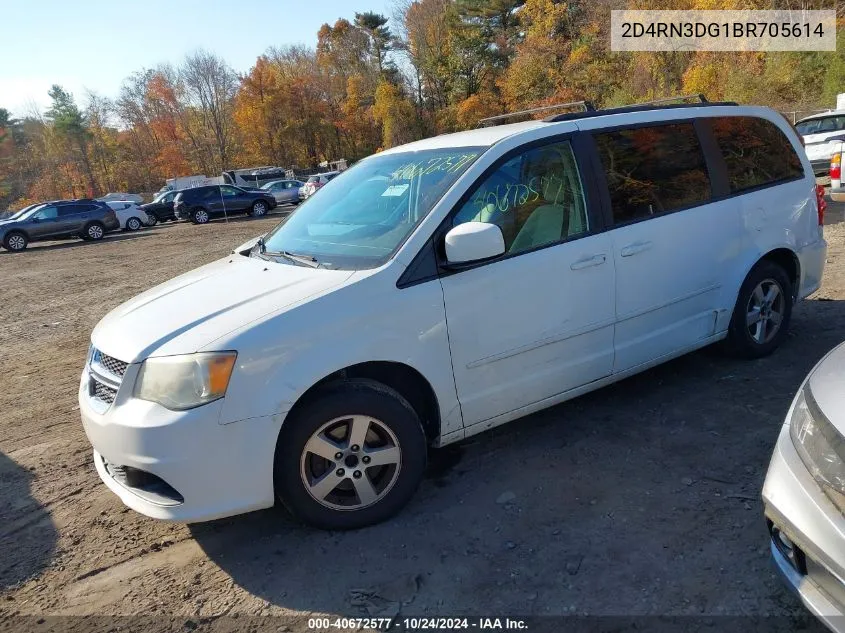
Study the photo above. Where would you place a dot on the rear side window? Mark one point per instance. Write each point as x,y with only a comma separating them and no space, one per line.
821,125
653,170
756,152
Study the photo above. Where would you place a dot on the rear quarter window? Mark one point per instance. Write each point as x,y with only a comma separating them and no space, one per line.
653,170
756,152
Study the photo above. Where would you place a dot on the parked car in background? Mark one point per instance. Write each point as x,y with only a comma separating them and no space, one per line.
285,191
129,197
129,214
804,492
317,181
87,219
441,288
201,204
161,208
820,133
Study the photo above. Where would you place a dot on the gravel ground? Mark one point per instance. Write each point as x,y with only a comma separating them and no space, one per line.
639,499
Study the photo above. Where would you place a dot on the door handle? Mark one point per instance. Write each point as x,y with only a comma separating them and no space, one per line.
586,262
636,247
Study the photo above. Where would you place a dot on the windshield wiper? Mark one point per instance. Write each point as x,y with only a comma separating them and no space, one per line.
306,260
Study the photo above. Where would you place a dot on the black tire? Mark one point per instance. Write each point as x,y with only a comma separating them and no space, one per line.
15,241
93,231
134,224
199,216
152,219
360,397
740,341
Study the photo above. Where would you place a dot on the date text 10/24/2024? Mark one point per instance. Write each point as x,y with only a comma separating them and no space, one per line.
417,624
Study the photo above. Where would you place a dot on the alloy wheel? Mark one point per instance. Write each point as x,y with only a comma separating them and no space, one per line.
765,311
350,463
17,242
95,231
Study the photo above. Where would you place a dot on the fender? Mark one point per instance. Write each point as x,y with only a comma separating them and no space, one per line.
287,353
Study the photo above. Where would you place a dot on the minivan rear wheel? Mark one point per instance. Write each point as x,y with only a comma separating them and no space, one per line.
351,456
763,310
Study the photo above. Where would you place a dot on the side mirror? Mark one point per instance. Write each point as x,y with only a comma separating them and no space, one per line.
474,241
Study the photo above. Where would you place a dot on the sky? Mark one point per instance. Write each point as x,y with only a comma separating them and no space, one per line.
95,44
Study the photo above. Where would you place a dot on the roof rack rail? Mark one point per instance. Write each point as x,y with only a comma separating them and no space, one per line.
660,104
587,106
698,97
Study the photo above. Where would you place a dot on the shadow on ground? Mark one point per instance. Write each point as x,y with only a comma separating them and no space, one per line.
79,243
27,534
639,498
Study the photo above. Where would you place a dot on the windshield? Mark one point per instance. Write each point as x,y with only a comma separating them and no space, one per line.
17,215
361,217
821,125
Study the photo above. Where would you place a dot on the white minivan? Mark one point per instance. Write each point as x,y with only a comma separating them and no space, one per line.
444,287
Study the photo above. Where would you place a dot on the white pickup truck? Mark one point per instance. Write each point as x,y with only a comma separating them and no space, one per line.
821,133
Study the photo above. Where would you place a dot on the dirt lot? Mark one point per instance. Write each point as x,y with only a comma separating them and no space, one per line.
640,499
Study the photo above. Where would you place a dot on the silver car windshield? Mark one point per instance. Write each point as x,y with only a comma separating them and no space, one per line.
360,218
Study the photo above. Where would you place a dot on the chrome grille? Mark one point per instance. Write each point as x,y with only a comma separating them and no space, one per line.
117,367
101,391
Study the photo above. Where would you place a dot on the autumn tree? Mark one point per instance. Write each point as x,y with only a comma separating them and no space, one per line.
395,113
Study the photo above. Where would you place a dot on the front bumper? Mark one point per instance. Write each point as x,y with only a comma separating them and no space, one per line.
796,506
212,470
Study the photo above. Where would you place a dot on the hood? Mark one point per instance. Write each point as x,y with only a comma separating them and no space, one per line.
826,384
7,223
190,312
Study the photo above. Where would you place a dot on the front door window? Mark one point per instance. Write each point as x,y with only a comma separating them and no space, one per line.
535,198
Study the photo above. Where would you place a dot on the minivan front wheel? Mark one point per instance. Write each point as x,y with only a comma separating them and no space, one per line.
762,313
353,455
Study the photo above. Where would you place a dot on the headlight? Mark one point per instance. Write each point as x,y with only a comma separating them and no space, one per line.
820,446
185,382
